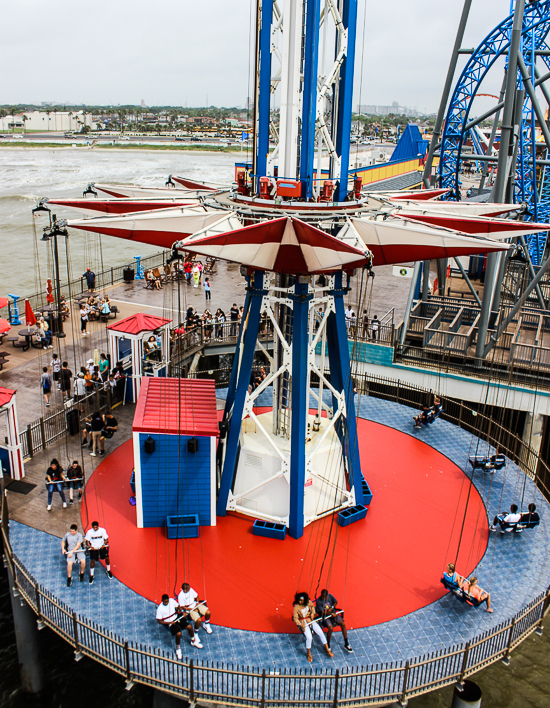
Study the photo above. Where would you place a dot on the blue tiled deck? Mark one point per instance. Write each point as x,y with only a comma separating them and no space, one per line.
516,567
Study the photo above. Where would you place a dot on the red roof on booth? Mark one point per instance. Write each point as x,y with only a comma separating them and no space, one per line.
176,407
6,394
139,323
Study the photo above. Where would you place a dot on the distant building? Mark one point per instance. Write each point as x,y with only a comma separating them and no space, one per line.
143,104
48,120
395,108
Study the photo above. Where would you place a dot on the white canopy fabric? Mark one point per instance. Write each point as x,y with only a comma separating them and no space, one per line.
162,227
115,207
129,191
457,208
475,225
397,241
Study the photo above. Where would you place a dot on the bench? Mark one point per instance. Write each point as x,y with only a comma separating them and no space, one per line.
18,343
112,314
460,594
3,360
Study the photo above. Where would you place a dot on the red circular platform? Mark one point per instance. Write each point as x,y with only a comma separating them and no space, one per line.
381,568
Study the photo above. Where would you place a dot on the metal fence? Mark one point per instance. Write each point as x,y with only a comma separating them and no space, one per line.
104,278
268,688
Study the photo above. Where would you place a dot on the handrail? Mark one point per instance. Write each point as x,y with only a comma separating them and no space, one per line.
227,684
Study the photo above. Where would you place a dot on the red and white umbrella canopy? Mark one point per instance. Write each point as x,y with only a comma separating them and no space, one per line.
397,241
94,207
130,191
162,227
30,317
458,208
418,194
5,326
282,245
476,225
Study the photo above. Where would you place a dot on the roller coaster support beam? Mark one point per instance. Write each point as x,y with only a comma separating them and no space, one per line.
493,135
446,91
503,172
532,271
517,307
534,100
506,129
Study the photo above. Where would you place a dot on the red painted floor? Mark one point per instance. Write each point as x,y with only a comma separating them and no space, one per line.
381,568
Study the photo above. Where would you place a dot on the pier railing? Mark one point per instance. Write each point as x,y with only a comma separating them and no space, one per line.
230,684
104,278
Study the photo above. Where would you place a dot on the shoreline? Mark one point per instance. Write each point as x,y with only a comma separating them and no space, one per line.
153,148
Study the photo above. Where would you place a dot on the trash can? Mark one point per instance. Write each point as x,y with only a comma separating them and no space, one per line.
469,696
72,422
128,274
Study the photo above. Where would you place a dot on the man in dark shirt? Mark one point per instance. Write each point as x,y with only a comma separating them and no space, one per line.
65,377
325,609
109,429
90,278
234,317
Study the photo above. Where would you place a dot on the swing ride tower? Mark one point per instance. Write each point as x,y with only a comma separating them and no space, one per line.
292,465
315,89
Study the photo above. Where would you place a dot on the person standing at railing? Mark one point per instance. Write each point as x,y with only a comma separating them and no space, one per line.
54,483
89,276
375,326
234,317
71,545
365,322
220,321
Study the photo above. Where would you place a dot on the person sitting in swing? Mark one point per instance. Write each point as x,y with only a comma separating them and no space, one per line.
330,616
422,418
507,521
472,592
452,580
491,464
528,520
303,616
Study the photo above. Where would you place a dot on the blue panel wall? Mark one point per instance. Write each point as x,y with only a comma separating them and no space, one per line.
174,481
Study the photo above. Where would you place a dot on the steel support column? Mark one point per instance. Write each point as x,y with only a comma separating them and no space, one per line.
345,97
446,91
243,380
263,97
340,374
300,407
309,101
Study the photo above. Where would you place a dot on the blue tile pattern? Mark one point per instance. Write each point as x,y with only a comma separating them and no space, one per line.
516,566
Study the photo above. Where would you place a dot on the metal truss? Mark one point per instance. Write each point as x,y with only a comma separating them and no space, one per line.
536,25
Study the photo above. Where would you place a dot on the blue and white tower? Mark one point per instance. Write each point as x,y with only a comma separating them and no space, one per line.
305,59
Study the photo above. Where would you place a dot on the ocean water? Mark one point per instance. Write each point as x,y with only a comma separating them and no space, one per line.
27,175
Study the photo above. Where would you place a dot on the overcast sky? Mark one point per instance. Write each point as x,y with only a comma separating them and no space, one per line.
178,52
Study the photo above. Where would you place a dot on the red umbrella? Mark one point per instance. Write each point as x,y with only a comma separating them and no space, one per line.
49,295
4,302
4,326
29,314
282,245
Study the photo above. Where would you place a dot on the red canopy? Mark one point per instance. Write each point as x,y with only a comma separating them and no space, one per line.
284,245
4,326
4,302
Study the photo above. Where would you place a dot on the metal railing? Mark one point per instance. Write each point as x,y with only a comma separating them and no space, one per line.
104,278
46,430
269,688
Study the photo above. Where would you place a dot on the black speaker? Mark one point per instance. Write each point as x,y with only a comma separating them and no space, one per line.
192,445
149,446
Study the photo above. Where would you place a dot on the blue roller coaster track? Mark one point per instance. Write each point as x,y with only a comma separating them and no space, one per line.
536,25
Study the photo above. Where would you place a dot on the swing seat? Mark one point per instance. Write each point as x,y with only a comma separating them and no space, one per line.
483,463
527,525
472,601
453,588
433,417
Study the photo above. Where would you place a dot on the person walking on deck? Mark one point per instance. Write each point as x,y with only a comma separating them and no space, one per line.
46,384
